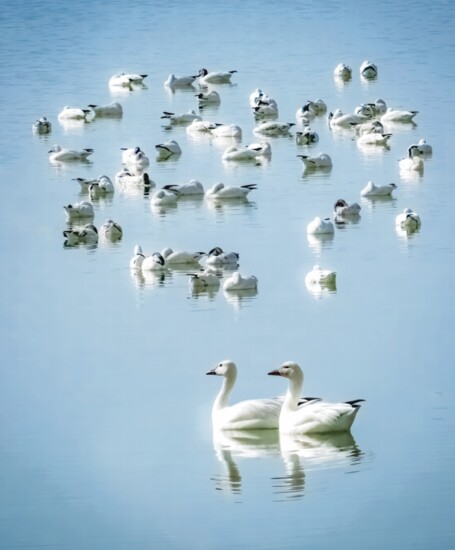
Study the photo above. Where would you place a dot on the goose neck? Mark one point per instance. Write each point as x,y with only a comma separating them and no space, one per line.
222,398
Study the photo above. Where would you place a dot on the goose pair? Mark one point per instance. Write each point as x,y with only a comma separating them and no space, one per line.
292,415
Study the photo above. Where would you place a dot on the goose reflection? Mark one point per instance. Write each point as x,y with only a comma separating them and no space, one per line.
318,242
239,298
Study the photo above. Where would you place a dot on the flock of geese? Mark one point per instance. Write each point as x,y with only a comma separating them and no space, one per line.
291,414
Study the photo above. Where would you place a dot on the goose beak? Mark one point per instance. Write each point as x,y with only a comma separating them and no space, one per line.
211,372
274,373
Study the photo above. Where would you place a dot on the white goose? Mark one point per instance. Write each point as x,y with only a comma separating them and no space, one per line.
209,98
266,108
408,220
179,81
200,126
343,71
397,115
183,118
272,128
338,118
373,138
155,262
321,276
193,188
137,259
307,137
127,177
372,190
164,197
79,210
364,110
379,107
237,282
252,152
167,150
368,70
315,416
320,226
369,127
205,279
224,192
101,187
112,110
125,80
227,131
215,77
87,235
58,154
42,126
258,95
73,113
252,414
424,147
134,156
322,160
342,208
413,161
217,258
181,257
111,230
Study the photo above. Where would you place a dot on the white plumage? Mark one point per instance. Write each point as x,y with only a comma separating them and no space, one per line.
320,276
368,70
215,77
111,230
227,130
58,154
397,115
320,226
217,258
73,113
164,197
77,210
343,71
413,161
272,128
112,110
179,81
237,282
212,97
167,150
183,118
408,220
372,190
322,160
342,208
42,126
181,257
192,188
87,235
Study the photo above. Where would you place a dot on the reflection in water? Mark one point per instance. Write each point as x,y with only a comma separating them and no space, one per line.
322,172
373,202
318,242
406,233
163,209
371,149
411,175
142,279
319,289
342,221
239,298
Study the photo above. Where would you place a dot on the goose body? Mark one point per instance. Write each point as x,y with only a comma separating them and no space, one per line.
216,257
84,183
379,107
167,150
181,257
101,187
137,259
111,230
127,177
374,138
266,108
220,191
134,156
193,188
179,81
125,80
342,208
252,152
313,416
58,154
78,210
237,282
369,127
183,118
368,70
307,137
322,160
343,71
256,96
164,197
73,113
112,110
252,414
413,161
372,190
212,97
320,276
397,115
215,77
205,279
424,148
87,235
42,126
272,128
200,126
364,110
155,262
338,118
320,226
227,130
408,220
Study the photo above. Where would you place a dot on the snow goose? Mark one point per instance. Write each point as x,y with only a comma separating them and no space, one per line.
397,115
164,197
127,177
125,80
408,220
179,81
181,257
87,235
307,137
206,279
369,127
79,210
216,257
425,148
368,70
101,187
212,98
374,138
215,77
266,108
245,415
73,113
134,156
322,160
256,96
112,110
227,131
137,259
338,118
42,126
84,183
372,190
167,150
413,161
237,282
183,118
200,126
315,416
272,128
155,262
320,226
343,71
224,192
379,107
364,110
58,154
320,277
111,230
193,188
342,208
251,152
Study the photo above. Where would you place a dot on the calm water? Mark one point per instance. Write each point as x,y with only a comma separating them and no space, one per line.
106,438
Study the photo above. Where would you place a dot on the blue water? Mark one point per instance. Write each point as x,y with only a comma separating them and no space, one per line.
106,437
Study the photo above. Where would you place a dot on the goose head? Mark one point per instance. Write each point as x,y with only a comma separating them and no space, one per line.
217,251
340,203
290,370
225,368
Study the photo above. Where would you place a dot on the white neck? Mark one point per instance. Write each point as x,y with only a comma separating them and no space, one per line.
222,398
294,391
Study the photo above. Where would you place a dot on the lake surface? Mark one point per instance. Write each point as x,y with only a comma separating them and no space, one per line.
106,438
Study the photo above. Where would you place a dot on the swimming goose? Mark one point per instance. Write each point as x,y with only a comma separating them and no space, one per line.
42,126
125,80
111,230
369,127
179,81
373,138
227,130
364,110
77,210
216,257
138,258
155,262
379,107
245,415
84,183
338,118
372,190
184,118
307,137
220,191
212,98
164,197
180,257
322,160
342,208
167,150
101,187
368,70
203,126
315,416
343,71
112,110
408,220
321,276
127,177
397,115
206,279
215,77
274,128
58,154
87,235
413,161
424,147
266,108
134,156
237,282
320,226
73,113
193,188
251,152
